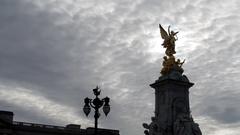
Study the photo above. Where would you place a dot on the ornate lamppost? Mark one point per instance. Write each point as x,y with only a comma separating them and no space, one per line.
96,104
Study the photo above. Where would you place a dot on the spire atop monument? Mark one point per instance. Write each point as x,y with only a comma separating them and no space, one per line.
169,62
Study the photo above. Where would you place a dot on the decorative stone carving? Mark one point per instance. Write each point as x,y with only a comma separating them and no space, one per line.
154,128
184,125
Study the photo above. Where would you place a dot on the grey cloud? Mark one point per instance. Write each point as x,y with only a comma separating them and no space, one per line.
222,107
226,115
63,50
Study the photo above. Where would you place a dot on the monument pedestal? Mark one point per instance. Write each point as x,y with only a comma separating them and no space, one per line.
172,111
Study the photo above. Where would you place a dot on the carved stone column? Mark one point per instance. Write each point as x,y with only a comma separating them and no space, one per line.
172,111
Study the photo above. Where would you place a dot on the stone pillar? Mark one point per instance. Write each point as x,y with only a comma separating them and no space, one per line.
172,111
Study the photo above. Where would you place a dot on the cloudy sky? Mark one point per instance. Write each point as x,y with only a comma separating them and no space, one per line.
54,52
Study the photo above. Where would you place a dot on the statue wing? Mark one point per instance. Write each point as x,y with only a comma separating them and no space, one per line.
163,33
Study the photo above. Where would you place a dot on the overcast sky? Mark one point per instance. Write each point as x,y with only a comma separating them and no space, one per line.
54,52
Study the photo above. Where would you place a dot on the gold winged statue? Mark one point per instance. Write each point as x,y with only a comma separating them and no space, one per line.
169,40
169,62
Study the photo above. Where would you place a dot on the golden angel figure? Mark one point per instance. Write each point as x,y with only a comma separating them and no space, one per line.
169,40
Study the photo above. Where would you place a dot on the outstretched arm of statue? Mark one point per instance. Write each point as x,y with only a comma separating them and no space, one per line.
176,37
182,63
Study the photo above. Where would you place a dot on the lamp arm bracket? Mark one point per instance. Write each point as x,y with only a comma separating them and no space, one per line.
91,104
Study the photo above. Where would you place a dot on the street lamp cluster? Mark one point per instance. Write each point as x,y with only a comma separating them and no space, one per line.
96,104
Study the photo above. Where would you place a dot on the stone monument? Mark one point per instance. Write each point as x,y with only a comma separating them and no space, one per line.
172,111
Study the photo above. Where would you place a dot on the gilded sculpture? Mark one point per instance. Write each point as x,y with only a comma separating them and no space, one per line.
169,40
169,61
